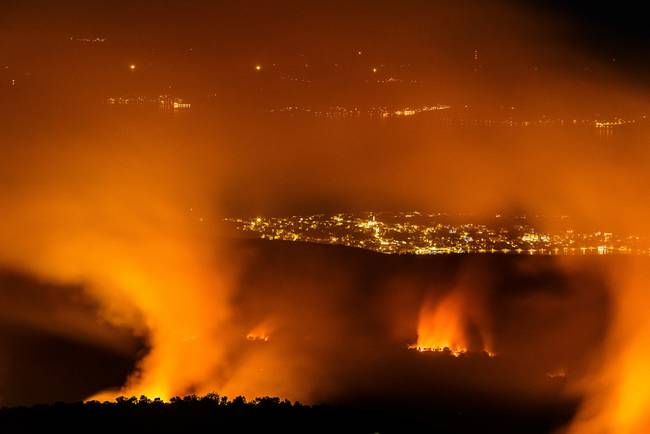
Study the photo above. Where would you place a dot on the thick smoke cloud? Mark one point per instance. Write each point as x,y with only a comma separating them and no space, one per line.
121,214
617,387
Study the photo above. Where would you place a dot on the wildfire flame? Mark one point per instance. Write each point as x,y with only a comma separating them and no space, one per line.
262,332
443,326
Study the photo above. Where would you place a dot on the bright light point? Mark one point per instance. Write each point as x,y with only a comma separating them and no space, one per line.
258,67
132,67
374,69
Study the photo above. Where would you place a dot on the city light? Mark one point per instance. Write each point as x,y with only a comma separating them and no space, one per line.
434,234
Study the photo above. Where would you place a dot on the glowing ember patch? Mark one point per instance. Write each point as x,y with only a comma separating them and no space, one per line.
558,373
456,352
252,337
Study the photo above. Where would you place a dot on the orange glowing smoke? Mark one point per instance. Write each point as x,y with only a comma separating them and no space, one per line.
138,234
443,326
618,393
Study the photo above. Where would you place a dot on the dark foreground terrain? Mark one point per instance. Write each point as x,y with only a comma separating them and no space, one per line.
213,413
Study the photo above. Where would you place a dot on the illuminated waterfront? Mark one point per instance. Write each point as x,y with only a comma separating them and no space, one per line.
427,234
